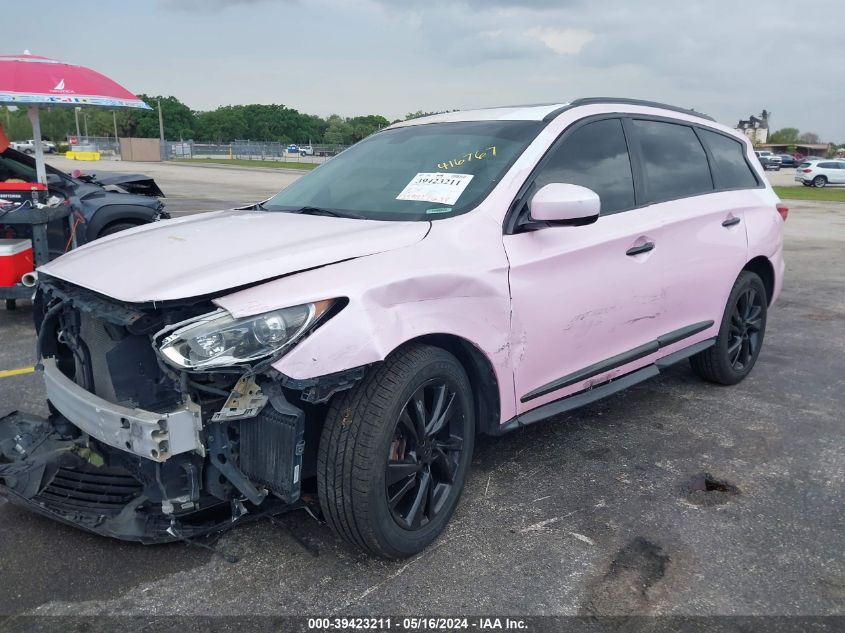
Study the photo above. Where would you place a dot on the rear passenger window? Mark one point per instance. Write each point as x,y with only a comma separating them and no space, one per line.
674,162
730,169
594,156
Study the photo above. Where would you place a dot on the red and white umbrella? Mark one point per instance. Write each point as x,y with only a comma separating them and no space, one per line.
29,81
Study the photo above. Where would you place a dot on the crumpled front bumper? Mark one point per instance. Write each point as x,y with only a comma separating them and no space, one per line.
150,435
66,481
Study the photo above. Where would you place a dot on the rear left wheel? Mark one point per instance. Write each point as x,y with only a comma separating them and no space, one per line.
819,181
740,336
395,451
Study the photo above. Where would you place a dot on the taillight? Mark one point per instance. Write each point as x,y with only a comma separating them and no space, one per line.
807,171
783,210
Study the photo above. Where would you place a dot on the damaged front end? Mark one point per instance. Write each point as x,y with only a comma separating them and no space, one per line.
137,447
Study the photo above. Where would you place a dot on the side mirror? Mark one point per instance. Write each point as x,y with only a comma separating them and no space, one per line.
567,205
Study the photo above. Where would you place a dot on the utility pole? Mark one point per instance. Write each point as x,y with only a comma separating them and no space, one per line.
161,130
116,140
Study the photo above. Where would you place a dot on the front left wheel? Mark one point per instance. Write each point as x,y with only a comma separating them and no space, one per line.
395,451
117,227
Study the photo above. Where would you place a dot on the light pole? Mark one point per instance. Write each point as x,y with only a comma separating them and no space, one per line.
116,140
76,116
160,131
85,122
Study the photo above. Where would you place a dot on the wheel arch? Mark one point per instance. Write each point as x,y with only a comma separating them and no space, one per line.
479,369
762,267
133,221
118,213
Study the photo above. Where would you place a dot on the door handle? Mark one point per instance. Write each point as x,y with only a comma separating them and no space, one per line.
731,221
639,249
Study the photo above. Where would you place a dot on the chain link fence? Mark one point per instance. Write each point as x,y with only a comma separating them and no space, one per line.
108,146
251,150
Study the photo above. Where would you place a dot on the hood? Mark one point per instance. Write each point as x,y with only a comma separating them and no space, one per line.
95,196
132,183
212,252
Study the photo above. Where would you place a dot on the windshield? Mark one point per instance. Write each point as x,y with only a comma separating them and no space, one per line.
421,172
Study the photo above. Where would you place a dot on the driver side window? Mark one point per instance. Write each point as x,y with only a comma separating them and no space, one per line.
11,170
594,156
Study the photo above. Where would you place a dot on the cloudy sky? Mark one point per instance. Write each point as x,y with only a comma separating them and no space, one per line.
729,59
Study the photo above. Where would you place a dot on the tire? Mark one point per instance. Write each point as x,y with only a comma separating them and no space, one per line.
743,324
116,227
819,181
371,431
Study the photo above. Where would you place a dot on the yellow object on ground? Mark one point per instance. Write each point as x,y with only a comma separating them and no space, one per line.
82,155
5,373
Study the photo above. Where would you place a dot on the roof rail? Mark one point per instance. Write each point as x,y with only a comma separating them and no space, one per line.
622,100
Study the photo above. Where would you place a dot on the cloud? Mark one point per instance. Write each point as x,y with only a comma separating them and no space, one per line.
212,5
561,41
397,56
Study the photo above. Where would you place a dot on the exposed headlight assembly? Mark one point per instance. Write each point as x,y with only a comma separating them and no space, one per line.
220,340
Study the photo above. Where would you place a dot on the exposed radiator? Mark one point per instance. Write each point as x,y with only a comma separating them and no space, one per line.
271,448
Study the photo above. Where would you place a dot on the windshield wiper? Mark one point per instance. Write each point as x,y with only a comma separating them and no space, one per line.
327,212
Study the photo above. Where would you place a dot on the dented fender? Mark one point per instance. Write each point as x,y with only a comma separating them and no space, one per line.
398,296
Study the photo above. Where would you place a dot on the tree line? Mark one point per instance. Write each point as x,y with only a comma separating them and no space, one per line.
223,125
792,136
258,122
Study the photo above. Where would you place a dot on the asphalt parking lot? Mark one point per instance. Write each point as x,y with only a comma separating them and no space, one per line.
590,514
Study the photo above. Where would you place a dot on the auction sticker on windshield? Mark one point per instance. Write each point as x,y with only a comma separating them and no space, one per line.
435,187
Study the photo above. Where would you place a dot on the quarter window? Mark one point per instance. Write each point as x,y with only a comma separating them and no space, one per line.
594,156
674,162
730,169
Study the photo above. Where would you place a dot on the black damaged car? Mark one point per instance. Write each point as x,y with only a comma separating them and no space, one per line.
101,205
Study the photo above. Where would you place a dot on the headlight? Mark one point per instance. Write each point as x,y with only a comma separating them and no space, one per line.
220,340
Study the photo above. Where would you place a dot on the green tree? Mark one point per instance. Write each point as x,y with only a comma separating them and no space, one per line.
363,126
787,135
178,119
420,113
15,123
337,133
809,137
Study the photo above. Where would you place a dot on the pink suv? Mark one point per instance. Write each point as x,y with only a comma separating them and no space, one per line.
340,345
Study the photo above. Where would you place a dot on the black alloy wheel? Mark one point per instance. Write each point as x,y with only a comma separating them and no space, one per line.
737,346
424,454
395,451
745,328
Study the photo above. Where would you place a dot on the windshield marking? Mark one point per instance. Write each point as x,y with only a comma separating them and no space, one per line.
435,187
479,155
